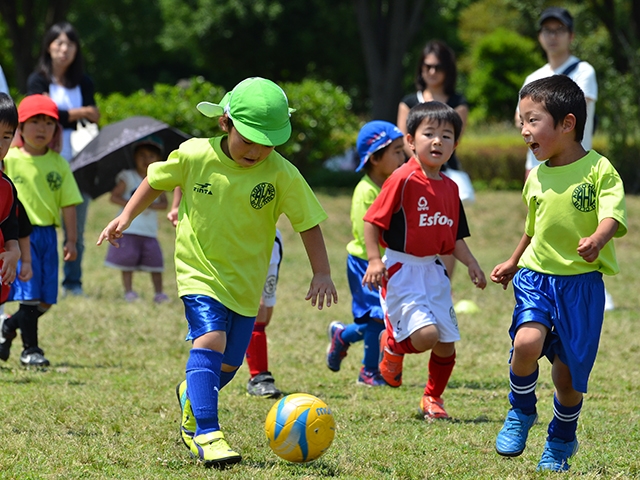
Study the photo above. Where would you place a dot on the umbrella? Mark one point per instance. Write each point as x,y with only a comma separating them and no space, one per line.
96,166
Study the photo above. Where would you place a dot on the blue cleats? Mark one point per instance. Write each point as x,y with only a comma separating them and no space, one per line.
556,454
337,348
513,437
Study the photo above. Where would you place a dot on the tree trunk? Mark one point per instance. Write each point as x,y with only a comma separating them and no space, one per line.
386,27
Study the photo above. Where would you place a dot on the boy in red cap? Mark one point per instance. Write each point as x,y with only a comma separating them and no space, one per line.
45,186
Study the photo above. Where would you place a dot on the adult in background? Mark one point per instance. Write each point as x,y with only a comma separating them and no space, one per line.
4,87
555,34
60,74
436,76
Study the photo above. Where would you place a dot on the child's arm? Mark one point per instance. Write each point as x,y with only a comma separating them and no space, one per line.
117,194
172,216
69,249
9,259
462,253
376,270
138,203
26,271
589,247
504,272
161,202
321,283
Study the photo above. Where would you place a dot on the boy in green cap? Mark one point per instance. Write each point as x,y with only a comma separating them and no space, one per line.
235,187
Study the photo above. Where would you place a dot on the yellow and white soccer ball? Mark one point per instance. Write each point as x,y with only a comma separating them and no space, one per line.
300,427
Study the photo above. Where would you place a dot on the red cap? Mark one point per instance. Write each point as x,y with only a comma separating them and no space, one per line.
36,105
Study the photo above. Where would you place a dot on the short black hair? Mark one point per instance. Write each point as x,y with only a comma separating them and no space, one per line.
8,111
436,111
560,96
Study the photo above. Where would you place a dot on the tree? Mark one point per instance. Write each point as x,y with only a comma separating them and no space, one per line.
25,21
386,29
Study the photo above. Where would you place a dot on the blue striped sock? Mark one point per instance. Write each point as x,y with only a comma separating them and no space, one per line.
565,421
523,392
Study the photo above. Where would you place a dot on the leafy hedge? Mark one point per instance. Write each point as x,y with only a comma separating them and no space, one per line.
323,124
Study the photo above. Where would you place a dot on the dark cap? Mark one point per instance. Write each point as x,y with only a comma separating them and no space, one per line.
559,14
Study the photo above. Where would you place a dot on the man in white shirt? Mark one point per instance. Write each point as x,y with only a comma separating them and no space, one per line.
555,35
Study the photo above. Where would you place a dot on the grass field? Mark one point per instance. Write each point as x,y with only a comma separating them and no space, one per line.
106,408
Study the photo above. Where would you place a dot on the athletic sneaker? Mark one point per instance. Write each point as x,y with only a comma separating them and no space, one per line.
556,454
337,348
131,296
263,385
187,420
33,357
512,438
214,450
6,337
371,378
390,363
160,298
432,408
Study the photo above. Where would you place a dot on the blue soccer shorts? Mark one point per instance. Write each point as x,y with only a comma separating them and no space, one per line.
205,314
572,308
43,285
366,303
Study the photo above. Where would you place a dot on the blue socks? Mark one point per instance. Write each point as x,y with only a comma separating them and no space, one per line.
354,332
523,392
372,345
565,421
203,384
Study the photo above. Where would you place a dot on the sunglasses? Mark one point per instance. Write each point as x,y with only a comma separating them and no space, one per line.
437,67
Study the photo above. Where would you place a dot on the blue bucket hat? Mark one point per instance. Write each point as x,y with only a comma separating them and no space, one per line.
375,136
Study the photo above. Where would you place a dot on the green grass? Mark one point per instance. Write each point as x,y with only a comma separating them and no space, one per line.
106,408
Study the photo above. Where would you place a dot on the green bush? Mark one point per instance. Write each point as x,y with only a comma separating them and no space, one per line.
500,62
323,124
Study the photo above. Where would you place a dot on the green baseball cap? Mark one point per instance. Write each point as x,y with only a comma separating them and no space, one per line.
258,108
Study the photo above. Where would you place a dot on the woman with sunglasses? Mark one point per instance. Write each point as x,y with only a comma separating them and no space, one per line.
435,80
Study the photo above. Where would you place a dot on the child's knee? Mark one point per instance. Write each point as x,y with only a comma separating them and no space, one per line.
528,342
425,338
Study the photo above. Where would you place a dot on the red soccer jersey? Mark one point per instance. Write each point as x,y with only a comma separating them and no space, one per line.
8,221
418,216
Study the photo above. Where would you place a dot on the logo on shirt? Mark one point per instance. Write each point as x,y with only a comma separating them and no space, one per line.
262,194
423,205
202,188
54,179
437,218
584,197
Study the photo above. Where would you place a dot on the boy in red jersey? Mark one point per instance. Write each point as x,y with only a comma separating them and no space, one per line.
417,217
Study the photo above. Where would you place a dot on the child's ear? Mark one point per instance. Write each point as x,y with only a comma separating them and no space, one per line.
569,123
223,123
410,141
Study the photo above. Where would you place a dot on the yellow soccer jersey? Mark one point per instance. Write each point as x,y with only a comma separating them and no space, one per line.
44,183
363,196
566,204
227,219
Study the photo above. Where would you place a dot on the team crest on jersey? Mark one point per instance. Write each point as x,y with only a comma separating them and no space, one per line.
423,204
262,194
54,179
584,197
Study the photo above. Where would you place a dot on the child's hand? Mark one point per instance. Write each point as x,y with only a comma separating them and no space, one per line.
321,287
172,216
504,273
26,271
69,251
588,249
113,231
9,260
477,275
376,271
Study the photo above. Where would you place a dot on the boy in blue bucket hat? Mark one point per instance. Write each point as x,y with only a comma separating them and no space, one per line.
380,148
